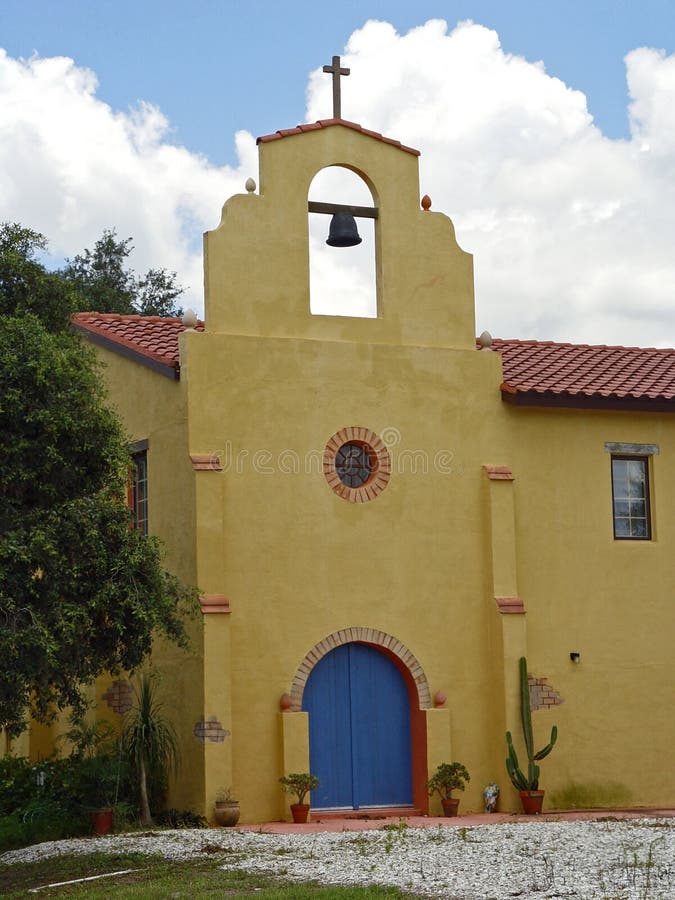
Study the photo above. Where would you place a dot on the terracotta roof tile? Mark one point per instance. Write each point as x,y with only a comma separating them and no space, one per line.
532,367
329,123
150,336
583,370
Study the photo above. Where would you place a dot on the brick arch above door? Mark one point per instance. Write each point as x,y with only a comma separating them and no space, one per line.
386,642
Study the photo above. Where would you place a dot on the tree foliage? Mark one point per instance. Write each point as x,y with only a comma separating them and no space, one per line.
25,285
102,282
81,592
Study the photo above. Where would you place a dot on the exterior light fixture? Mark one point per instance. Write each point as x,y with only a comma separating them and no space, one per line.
575,657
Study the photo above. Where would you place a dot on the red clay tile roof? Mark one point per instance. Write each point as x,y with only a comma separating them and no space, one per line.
582,370
530,368
329,123
147,338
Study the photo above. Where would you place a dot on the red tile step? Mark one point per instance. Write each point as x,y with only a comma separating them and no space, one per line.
367,814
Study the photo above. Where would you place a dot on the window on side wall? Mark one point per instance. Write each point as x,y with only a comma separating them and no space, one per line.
138,488
630,496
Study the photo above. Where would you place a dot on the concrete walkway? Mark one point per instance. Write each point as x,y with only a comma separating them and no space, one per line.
461,821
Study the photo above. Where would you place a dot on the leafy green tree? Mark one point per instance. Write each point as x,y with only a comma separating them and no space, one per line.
81,592
102,282
25,285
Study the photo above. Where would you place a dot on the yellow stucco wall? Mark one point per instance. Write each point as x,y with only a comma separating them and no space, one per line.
609,600
153,408
268,384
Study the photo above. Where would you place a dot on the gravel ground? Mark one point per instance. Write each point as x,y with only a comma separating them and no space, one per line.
610,860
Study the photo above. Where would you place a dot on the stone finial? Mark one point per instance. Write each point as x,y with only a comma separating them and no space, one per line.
250,185
426,203
439,699
189,319
485,341
285,702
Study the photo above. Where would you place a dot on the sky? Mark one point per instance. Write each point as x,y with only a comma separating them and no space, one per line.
546,128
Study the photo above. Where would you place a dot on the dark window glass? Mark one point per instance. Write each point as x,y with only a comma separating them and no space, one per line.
630,490
354,464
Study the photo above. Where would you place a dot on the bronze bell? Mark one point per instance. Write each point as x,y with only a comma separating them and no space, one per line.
343,231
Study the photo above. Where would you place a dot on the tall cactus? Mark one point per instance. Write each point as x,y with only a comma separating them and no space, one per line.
518,778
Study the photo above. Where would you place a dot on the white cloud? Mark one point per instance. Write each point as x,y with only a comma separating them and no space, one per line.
572,232
71,166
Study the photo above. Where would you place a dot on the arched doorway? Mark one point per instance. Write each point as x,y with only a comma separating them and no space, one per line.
359,730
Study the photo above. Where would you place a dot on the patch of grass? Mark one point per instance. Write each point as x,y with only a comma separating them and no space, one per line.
158,878
15,880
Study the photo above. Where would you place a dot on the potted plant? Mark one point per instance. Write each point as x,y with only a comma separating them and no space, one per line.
96,769
299,783
527,785
447,778
226,809
98,783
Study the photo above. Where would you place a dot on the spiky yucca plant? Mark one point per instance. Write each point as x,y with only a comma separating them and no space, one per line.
149,741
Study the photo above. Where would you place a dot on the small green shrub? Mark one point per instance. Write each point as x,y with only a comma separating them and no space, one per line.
48,821
17,783
447,778
300,784
50,799
11,833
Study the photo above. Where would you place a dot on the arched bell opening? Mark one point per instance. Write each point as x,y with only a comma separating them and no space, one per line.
342,244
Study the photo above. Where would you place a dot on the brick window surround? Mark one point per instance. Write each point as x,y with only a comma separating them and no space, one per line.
377,456
386,642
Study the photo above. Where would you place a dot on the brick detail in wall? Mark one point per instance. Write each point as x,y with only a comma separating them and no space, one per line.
381,464
499,473
210,730
204,462
366,636
510,605
214,603
119,697
542,695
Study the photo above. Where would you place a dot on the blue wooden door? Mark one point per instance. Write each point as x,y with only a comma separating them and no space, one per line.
359,730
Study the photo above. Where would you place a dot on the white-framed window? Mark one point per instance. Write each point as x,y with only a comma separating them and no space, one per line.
138,487
631,507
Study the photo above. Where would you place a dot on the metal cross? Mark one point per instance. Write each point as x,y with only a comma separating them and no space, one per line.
336,72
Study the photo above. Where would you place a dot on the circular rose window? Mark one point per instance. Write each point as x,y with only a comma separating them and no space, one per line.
356,464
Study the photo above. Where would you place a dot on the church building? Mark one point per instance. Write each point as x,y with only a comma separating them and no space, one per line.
383,514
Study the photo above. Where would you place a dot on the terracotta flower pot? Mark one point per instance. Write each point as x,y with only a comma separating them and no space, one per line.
450,805
532,801
101,820
300,812
226,812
